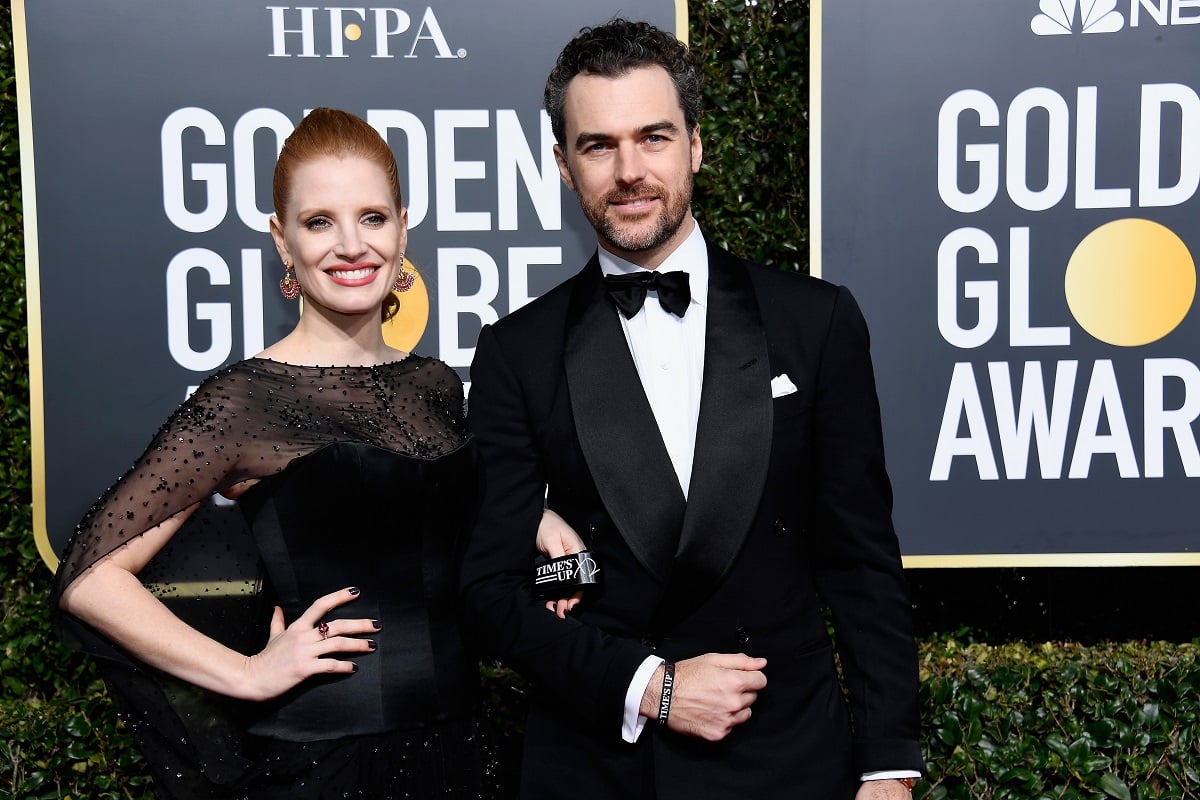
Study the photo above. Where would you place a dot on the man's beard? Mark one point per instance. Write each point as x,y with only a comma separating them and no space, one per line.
622,236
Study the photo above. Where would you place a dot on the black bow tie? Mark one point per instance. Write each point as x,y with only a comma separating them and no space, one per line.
628,292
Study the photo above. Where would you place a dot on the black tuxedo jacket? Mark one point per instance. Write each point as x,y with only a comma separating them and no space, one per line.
789,508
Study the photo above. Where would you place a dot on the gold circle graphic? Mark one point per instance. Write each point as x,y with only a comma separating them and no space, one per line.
404,330
353,32
1130,282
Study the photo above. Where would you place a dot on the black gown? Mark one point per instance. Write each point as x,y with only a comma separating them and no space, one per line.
366,477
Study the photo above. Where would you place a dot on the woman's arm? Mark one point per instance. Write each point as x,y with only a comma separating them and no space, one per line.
109,597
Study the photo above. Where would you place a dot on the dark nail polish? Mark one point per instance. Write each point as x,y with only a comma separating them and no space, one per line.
353,590
377,624
371,644
354,668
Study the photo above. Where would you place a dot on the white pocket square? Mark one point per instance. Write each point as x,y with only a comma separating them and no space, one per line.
781,385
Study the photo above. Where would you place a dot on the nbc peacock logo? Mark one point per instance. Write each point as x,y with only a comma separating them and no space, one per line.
1062,17
1065,17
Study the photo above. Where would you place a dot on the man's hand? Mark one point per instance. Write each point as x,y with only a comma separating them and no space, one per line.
883,790
712,694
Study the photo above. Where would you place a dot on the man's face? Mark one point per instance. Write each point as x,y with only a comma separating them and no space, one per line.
629,157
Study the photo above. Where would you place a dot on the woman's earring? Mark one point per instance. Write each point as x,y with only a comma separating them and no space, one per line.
404,280
289,287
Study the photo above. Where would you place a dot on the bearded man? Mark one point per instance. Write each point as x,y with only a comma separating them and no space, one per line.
711,428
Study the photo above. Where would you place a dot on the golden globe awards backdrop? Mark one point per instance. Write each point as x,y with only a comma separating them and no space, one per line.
1010,189
149,135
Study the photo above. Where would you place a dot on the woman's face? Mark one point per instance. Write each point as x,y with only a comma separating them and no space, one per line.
343,234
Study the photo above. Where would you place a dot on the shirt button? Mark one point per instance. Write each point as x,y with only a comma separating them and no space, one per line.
666,365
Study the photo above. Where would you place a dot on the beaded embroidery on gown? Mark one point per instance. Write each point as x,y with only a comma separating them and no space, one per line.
365,477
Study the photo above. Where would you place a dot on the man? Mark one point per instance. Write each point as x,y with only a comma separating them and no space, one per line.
723,462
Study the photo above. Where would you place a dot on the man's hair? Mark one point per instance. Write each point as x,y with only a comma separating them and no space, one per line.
612,50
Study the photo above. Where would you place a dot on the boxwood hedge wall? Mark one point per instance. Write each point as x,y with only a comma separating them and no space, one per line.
1000,720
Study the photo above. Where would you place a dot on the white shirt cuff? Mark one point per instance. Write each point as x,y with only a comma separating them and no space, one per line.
888,774
633,722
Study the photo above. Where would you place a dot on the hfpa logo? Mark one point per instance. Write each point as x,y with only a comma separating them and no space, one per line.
1059,17
296,32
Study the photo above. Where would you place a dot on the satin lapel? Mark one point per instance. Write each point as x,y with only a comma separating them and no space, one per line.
616,428
733,436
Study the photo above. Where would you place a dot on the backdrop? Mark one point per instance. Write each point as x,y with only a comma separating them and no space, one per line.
149,134
1010,189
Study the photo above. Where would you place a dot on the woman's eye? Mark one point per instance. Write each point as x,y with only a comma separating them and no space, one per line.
374,220
317,223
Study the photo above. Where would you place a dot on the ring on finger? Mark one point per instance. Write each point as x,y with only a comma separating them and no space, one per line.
323,629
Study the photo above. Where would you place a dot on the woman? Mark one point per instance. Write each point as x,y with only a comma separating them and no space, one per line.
356,482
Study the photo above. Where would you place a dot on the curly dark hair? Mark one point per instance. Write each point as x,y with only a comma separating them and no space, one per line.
612,50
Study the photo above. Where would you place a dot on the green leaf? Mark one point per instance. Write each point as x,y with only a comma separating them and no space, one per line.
1114,787
77,726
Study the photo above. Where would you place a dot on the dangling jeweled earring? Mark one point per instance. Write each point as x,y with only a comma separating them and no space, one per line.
289,287
404,280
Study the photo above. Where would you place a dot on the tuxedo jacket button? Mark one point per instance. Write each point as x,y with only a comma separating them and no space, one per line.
780,527
743,636
650,641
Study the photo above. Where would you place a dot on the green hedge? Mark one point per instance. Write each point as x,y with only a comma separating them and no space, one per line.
1061,720
66,746
999,721
752,192
1010,722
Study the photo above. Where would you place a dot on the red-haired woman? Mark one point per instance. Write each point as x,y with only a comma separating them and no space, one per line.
338,669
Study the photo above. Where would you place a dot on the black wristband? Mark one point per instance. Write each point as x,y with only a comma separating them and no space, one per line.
560,577
664,702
